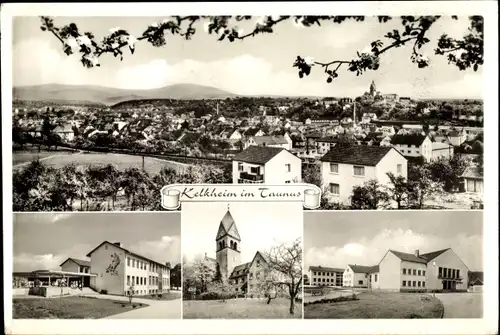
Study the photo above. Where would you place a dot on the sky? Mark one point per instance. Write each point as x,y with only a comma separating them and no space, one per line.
336,239
261,225
258,65
45,240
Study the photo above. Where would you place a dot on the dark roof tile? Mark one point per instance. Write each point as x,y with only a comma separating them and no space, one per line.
409,139
257,155
356,154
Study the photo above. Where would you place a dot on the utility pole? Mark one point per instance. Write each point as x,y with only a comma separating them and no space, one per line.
143,163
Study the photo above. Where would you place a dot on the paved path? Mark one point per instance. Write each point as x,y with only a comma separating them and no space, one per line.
462,305
157,309
43,159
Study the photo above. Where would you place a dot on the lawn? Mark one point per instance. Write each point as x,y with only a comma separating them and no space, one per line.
121,161
163,296
240,309
69,308
19,157
378,305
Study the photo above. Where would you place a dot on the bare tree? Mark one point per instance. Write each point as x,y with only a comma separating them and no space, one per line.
285,272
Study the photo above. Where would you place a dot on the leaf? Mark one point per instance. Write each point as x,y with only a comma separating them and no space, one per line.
43,28
476,67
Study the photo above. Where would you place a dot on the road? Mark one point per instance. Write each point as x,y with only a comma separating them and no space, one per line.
461,305
157,309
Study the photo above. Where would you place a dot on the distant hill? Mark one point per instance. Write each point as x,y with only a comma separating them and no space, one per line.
111,96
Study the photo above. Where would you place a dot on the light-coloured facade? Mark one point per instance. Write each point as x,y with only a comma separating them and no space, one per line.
354,278
119,270
325,276
266,165
441,150
340,177
422,149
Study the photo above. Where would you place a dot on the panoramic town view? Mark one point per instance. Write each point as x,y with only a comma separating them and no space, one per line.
393,265
405,132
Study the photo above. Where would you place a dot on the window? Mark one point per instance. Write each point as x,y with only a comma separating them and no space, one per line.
240,167
288,167
359,170
418,272
258,263
314,273
133,263
334,168
137,280
419,283
257,275
360,282
440,272
414,283
128,280
423,284
404,271
400,168
423,272
334,188
255,170
458,273
287,182
128,261
376,278
414,272
404,283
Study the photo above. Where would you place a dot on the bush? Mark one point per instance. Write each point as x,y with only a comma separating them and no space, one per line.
216,296
160,296
104,291
337,299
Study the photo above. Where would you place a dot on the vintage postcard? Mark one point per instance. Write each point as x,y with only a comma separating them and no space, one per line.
283,167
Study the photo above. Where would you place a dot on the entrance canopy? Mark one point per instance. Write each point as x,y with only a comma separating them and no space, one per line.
52,274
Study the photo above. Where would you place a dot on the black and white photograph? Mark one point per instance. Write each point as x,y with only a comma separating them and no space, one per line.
393,265
96,266
381,112
242,261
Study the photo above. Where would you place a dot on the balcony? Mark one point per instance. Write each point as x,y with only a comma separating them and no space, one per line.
246,177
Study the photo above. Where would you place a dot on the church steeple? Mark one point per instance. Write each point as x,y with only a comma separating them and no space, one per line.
227,245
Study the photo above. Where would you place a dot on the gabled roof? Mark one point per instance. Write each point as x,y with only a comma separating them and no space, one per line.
431,255
126,250
269,140
360,268
322,268
240,270
77,261
356,154
257,155
409,139
251,131
374,269
228,227
409,257
476,277
472,172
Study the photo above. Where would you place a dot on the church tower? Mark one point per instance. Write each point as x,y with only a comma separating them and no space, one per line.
227,244
373,89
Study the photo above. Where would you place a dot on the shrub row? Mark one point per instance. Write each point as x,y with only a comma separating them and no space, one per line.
216,296
337,299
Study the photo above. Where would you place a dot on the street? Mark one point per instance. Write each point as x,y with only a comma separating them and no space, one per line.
461,305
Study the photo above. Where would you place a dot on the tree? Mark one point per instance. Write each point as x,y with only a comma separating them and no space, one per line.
421,185
130,293
465,52
217,276
398,189
224,289
306,279
175,276
311,174
285,271
198,273
370,195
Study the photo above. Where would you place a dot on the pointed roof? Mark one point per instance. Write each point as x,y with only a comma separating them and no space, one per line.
431,255
360,268
228,227
77,261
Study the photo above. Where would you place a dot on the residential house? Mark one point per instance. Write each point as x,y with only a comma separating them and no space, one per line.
413,145
473,179
65,131
270,165
325,276
440,149
346,166
457,137
387,130
356,275
270,141
253,132
75,265
235,135
368,117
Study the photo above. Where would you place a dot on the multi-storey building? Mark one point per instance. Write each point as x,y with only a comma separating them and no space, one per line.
325,276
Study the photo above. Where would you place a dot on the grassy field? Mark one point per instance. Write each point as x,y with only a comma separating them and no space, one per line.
240,309
25,156
69,308
378,305
121,161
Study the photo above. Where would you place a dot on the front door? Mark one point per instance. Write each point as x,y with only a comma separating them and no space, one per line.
86,281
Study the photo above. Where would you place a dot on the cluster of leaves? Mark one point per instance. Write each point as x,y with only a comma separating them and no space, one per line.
413,30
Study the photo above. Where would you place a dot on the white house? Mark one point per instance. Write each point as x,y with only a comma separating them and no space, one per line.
65,131
456,137
236,135
344,167
413,145
118,269
356,275
281,141
473,180
441,149
270,165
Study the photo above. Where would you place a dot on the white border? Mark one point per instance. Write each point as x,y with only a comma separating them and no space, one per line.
488,324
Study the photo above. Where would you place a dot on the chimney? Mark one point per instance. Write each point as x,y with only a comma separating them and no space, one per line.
118,244
417,253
